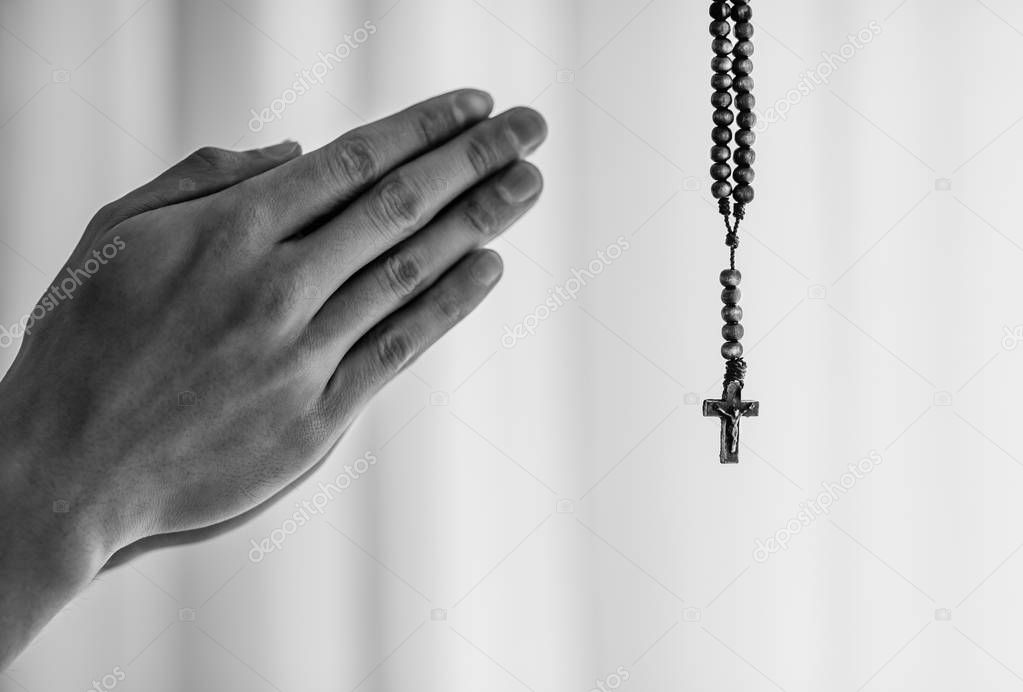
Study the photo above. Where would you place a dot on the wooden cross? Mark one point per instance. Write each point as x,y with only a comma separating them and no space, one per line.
730,409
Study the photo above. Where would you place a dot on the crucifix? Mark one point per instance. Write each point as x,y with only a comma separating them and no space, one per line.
734,119
730,409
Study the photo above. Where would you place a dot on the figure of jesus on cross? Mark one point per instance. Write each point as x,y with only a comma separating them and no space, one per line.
730,409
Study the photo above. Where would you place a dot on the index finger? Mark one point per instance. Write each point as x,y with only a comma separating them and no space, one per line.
305,191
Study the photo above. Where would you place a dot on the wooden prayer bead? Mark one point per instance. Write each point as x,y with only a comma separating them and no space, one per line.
720,171
721,189
721,135
731,295
720,153
746,138
731,350
743,49
732,332
730,278
731,314
744,156
743,83
721,46
720,27
721,63
744,175
741,12
721,99
743,194
742,66
723,117
746,102
719,10
721,82
746,120
743,30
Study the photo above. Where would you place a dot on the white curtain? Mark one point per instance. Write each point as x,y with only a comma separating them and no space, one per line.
548,512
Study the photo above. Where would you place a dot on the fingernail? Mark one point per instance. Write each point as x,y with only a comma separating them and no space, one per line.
473,104
519,184
487,268
281,150
528,127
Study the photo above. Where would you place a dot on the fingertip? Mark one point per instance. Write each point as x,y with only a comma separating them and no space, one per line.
486,267
474,103
529,127
529,112
521,182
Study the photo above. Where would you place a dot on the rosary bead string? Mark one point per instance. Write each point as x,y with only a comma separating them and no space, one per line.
734,121
732,172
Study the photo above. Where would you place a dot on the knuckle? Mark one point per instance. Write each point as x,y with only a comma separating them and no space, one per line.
403,273
482,155
109,209
394,349
353,162
480,217
214,157
278,298
398,204
240,221
435,123
106,214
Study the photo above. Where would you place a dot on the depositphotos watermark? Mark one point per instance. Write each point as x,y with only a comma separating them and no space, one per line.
811,510
108,681
819,76
1012,337
564,293
613,681
311,76
309,508
60,291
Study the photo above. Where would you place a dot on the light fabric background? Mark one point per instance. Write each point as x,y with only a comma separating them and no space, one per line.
550,514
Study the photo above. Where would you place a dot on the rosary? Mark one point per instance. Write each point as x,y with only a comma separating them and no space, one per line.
732,74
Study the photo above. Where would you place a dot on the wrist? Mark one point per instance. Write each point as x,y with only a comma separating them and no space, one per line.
40,511
47,554
52,538
48,488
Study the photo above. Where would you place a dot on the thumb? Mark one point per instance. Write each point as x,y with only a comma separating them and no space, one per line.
204,172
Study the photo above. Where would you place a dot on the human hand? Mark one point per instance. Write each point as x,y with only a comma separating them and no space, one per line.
234,315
